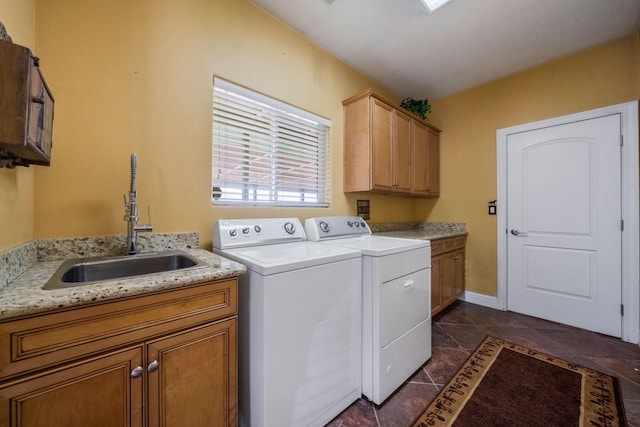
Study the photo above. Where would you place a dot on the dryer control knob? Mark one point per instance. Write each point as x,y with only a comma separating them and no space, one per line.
233,232
324,226
289,228
246,230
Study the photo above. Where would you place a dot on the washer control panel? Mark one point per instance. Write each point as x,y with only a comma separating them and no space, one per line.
236,233
334,227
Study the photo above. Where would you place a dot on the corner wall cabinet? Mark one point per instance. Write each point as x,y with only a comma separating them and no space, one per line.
425,179
387,149
26,109
447,272
160,359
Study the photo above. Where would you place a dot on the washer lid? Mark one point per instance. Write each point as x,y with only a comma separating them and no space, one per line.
279,258
378,245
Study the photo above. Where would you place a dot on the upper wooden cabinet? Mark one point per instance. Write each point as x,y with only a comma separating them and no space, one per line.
387,149
26,109
425,178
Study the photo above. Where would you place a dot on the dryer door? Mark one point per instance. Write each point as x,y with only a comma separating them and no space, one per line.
405,303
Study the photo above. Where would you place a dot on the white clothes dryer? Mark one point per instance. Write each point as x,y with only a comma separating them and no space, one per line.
396,300
299,323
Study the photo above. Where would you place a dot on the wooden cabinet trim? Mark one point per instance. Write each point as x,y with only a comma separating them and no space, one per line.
43,341
26,108
370,93
160,398
380,149
448,271
33,390
447,244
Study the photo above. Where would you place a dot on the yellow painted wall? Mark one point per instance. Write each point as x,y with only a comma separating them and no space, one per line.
16,185
136,77
602,76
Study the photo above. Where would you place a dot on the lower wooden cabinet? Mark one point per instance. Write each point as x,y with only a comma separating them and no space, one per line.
182,377
195,381
447,272
95,392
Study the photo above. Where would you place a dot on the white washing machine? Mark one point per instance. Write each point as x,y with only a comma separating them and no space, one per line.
396,300
299,323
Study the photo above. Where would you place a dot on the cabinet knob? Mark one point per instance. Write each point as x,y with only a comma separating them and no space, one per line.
455,258
153,366
137,372
38,99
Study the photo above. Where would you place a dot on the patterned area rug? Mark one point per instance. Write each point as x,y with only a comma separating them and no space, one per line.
503,384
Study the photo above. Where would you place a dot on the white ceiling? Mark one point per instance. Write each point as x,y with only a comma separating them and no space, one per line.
461,45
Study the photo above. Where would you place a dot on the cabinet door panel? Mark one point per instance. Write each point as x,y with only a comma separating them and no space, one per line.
98,392
40,117
419,180
433,162
436,284
447,279
458,273
382,140
403,152
452,276
194,384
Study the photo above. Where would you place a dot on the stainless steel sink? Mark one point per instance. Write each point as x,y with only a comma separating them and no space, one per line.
84,271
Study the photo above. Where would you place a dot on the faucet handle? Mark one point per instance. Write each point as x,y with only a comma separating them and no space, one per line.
145,227
127,207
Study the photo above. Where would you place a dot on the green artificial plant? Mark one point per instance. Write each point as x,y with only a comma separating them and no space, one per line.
419,107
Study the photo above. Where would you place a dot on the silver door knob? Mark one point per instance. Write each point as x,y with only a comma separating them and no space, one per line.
515,232
137,372
153,366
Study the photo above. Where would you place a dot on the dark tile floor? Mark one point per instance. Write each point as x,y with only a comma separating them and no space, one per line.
460,329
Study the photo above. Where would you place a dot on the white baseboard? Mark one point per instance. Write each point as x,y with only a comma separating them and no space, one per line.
480,299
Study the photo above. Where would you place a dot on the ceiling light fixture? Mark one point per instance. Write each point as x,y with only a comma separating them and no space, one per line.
432,5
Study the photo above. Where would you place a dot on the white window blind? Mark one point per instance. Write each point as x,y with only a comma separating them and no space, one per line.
266,152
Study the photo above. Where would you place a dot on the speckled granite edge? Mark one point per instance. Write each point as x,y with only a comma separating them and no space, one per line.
16,261
393,226
86,247
428,227
25,296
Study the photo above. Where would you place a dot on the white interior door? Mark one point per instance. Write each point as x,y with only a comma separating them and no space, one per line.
564,224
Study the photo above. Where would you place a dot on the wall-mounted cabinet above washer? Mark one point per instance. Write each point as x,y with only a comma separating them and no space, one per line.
26,109
389,150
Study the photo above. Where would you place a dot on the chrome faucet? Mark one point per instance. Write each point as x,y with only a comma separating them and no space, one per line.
131,212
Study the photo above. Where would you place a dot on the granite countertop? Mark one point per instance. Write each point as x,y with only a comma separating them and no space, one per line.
420,230
24,295
422,234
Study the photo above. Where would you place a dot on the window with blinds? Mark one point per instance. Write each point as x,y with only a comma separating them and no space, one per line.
266,152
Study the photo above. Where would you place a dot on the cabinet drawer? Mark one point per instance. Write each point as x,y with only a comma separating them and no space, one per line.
446,245
35,343
458,242
437,247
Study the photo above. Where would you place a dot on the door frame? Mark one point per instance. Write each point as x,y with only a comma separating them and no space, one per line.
630,207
